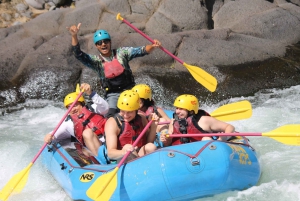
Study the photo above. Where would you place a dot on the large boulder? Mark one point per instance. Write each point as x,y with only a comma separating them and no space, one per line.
227,39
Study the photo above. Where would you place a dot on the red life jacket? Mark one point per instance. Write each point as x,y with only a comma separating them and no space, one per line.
87,119
188,125
130,131
117,77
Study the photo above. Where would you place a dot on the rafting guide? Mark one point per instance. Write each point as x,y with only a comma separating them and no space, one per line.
112,66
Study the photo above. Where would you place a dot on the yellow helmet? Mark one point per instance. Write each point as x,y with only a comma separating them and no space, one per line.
70,98
128,101
143,90
188,102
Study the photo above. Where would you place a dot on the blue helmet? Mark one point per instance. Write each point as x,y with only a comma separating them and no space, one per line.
101,35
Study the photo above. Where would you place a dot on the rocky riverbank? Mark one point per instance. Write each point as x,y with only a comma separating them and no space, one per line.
16,12
244,44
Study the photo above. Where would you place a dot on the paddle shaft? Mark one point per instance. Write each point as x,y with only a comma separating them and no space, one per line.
152,41
57,127
17,183
135,143
98,189
233,134
287,134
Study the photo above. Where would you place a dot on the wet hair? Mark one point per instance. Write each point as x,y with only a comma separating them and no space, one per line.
147,103
82,103
191,113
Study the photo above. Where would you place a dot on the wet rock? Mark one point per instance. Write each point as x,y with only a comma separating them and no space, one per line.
234,12
36,4
6,16
22,7
27,14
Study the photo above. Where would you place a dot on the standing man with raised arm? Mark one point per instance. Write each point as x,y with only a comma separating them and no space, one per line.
112,66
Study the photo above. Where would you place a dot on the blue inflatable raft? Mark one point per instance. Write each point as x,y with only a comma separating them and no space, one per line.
182,172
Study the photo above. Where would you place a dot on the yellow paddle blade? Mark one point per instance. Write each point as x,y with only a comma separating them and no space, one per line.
103,188
77,88
288,134
204,78
119,17
16,184
233,111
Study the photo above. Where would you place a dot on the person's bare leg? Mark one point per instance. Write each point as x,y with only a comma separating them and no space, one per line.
206,138
162,126
91,141
148,148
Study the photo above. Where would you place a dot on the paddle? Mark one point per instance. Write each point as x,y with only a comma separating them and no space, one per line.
105,185
233,111
204,78
18,181
230,112
287,134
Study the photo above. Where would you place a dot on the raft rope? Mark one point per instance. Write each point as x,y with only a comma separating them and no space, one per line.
187,154
172,150
206,145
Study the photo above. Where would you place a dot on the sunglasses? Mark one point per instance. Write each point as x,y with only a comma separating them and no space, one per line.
105,41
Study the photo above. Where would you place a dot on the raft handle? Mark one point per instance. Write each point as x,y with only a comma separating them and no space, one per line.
212,147
171,154
195,161
63,166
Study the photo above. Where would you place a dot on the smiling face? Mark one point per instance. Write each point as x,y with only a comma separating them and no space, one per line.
181,113
76,109
128,115
104,47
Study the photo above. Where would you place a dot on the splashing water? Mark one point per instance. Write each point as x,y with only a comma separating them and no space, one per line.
22,133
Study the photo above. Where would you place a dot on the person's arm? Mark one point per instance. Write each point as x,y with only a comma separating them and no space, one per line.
163,114
129,53
214,125
90,61
74,31
152,129
66,130
151,47
211,124
111,135
167,141
99,104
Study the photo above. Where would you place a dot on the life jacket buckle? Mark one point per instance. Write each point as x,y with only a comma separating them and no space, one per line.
94,129
86,122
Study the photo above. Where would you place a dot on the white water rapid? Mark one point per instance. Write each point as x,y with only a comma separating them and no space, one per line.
22,133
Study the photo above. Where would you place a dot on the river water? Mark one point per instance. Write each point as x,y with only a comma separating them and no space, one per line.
22,132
